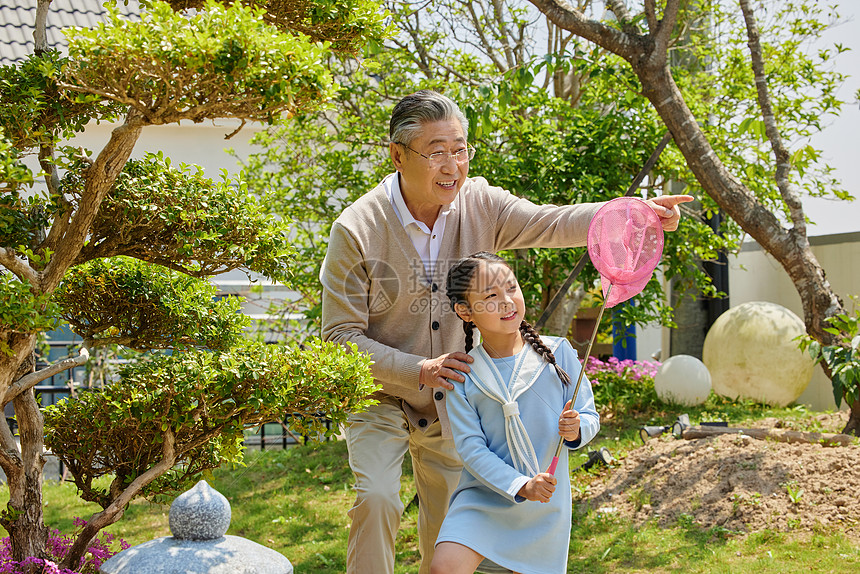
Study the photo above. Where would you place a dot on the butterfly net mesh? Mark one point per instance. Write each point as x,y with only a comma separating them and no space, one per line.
625,242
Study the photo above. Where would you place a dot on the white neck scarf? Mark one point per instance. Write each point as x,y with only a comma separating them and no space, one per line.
488,379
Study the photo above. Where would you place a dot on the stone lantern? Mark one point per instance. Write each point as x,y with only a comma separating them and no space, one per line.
198,520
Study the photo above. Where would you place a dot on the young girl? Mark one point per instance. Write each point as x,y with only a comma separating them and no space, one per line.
505,514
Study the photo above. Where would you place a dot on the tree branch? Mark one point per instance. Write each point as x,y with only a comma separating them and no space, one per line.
115,510
18,266
564,16
64,216
29,381
623,15
465,79
651,15
663,34
100,177
10,454
46,161
504,33
783,158
40,33
60,223
485,44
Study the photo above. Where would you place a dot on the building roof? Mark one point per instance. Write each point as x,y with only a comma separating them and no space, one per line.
17,22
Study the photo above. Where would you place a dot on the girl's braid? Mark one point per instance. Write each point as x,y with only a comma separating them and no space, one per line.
532,338
468,329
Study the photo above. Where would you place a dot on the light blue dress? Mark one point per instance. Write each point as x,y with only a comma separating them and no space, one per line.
485,514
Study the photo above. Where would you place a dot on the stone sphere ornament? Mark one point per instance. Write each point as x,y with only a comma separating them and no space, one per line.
683,380
751,351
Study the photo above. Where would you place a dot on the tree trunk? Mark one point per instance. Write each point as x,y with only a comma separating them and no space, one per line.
100,177
853,425
117,507
648,57
789,248
82,541
23,465
25,522
558,323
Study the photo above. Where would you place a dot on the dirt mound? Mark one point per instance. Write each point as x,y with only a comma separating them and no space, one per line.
737,482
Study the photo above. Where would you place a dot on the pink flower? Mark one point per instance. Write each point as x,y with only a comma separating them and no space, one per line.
57,547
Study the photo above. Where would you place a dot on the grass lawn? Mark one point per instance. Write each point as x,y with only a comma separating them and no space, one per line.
295,501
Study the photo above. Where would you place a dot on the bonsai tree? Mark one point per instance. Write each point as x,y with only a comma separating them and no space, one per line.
121,250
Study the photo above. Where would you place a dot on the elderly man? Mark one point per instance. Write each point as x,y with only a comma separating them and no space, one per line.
383,289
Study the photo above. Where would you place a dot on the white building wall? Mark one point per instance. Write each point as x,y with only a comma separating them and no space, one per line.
200,144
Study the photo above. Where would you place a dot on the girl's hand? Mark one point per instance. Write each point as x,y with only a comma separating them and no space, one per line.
540,488
568,423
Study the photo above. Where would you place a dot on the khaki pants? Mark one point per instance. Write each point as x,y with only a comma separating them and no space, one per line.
377,442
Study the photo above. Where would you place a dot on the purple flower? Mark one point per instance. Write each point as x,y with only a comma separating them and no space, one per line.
58,546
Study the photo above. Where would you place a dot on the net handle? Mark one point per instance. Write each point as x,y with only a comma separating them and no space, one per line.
554,463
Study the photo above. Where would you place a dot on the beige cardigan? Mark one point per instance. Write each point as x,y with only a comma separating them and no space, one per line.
376,294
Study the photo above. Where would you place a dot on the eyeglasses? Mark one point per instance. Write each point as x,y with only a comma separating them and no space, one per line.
440,158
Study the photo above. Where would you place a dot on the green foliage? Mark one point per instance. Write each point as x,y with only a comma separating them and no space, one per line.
795,494
542,148
622,387
205,400
347,24
182,220
13,173
22,310
35,111
538,146
20,217
559,127
218,62
717,83
311,173
143,307
842,358
150,231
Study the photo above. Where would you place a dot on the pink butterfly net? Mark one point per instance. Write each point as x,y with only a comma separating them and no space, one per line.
625,243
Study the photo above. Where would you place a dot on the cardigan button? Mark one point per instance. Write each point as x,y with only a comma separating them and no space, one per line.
435,325
422,423
434,287
439,395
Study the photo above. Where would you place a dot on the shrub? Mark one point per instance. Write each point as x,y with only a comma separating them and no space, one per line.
842,358
622,386
100,549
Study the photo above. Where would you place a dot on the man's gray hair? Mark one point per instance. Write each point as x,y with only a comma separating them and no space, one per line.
425,106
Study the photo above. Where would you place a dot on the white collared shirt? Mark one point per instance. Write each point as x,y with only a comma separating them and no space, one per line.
426,241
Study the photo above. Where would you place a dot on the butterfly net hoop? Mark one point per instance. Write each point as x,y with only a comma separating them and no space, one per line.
625,243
